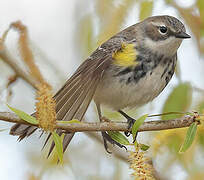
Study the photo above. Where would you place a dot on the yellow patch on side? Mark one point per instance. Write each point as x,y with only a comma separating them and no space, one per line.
126,56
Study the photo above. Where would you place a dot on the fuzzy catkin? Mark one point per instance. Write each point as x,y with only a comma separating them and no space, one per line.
45,108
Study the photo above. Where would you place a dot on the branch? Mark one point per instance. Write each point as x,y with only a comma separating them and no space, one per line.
11,61
4,55
155,125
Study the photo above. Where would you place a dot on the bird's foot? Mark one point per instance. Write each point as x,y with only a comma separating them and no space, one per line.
130,122
107,138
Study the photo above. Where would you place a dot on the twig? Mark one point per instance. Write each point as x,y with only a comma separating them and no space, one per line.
156,125
4,55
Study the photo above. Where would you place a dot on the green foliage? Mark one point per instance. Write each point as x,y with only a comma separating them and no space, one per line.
137,124
174,143
146,7
24,116
86,35
179,100
58,145
201,107
201,139
190,135
117,136
200,4
72,121
144,147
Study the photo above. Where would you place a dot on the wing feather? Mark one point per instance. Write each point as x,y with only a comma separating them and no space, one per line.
79,100
85,67
79,113
68,91
73,99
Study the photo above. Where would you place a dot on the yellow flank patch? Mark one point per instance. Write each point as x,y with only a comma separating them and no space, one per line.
126,56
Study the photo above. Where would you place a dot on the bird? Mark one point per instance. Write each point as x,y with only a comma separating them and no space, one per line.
127,71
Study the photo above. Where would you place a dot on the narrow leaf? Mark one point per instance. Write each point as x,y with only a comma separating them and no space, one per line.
144,147
58,145
71,121
191,132
24,116
117,136
179,100
168,113
137,124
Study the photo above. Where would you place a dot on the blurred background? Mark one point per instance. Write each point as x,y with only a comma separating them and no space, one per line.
61,35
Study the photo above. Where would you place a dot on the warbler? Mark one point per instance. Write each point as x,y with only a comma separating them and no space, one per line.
128,70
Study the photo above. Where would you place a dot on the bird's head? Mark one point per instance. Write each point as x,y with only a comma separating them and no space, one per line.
163,34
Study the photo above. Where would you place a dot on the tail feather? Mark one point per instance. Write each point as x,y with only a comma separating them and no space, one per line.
18,129
72,100
22,131
66,140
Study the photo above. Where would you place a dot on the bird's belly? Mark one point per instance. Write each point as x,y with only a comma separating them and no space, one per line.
117,94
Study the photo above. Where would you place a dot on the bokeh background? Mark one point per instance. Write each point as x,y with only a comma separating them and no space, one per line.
61,35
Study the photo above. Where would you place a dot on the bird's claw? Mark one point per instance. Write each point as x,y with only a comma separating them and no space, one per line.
107,138
130,122
127,133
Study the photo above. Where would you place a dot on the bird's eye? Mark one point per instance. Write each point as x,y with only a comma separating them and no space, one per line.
163,29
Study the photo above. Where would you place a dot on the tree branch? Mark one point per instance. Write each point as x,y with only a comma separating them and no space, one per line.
4,55
155,125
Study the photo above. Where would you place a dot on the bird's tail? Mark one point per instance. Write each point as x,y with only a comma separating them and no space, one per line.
72,100
23,131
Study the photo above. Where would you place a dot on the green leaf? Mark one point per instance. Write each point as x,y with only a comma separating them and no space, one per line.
168,113
117,136
190,135
146,9
137,124
71,121
201,107
24,116
179,100
58,145
200,4
144,147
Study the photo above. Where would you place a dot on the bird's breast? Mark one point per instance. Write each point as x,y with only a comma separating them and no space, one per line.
133,87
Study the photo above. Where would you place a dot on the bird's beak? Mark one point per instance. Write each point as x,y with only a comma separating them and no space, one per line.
182,35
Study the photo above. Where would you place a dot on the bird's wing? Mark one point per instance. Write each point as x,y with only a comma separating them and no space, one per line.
73,99
75,96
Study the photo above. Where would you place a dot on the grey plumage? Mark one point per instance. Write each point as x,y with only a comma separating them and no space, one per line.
117,86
